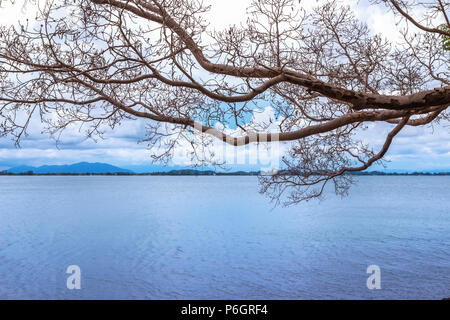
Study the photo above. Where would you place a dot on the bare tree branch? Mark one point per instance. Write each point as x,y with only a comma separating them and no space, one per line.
97,62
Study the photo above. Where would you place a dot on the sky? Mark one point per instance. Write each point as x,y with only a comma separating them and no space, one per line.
414,149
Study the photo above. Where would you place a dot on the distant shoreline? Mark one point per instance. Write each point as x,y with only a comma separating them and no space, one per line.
105,169
212,173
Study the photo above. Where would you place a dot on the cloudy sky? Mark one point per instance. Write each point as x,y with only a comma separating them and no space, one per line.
421,148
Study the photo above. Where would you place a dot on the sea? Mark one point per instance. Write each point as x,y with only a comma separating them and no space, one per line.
216,237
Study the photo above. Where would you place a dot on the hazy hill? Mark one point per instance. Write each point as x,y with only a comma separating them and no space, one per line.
77,168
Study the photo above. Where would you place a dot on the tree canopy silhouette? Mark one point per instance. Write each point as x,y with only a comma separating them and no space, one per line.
98,62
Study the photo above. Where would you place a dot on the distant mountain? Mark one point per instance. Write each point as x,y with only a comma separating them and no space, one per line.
76,168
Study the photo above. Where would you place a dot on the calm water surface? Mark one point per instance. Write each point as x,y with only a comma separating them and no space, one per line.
217,238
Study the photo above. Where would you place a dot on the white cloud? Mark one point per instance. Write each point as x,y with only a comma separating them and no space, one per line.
414,148
12,13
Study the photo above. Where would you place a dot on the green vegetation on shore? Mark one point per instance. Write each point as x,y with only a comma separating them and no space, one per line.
193,172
